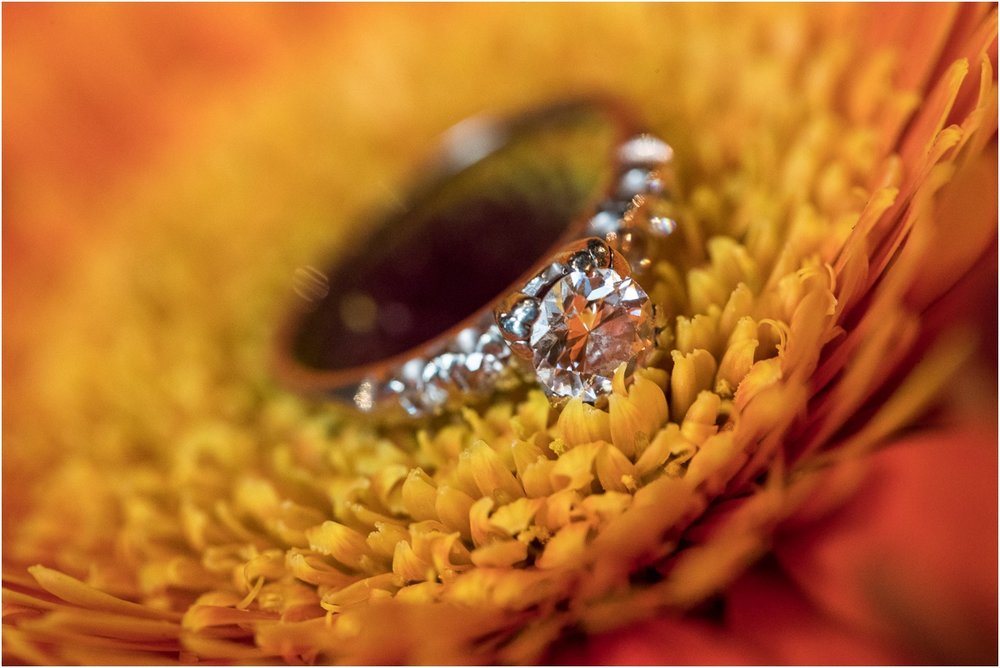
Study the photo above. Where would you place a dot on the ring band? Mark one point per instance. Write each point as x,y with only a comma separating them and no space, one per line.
405,323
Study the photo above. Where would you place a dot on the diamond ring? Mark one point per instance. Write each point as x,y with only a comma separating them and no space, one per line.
578,320
518,256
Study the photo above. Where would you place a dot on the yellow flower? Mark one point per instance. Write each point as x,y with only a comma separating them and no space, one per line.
166,502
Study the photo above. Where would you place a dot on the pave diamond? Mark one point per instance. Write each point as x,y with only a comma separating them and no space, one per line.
590,323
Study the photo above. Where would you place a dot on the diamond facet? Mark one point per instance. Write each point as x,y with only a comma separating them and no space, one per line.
590,323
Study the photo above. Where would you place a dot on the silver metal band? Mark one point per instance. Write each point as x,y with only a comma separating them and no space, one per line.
471,359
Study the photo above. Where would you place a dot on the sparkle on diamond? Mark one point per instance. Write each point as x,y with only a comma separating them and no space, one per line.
590,322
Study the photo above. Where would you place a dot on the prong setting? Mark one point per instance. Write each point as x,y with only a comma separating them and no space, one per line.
600,252
581,261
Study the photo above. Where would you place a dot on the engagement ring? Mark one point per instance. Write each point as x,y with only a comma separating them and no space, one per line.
520,256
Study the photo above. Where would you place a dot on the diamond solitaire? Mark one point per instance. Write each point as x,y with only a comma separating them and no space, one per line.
590,323
579,320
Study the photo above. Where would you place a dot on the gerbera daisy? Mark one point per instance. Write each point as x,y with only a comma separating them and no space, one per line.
165,501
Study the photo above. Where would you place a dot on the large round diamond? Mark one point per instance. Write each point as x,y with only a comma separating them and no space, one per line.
590,322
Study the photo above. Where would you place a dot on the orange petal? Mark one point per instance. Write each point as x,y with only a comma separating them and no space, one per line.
913,554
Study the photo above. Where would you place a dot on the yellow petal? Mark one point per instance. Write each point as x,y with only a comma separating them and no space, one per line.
574,470
537,478
515,517
566,547
692,373
735,365
387,484
491,475
582,423
670,445
705,289
383,540
358,593
408,567
560,509
452,506
340,542
614,471
449,555
479,522
532,414
420,496
73,591
525,454
716,460
600,508
700,331
738,306
500,554
700,421
762,375
642,411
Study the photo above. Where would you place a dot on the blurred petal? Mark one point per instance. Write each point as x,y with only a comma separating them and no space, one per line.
663,642
913,554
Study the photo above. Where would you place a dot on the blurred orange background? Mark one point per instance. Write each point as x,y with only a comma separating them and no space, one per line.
94,95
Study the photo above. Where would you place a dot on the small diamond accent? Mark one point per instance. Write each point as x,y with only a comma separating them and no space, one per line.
645,150
590,323
518,321
639,181
662,225
609,220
